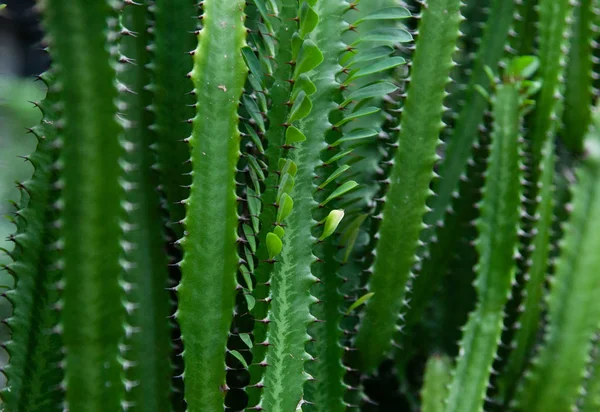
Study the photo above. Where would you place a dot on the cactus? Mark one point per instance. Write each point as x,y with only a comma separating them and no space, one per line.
264,204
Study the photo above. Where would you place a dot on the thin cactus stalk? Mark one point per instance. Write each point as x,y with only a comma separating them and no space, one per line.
210,260
437,379
553,382
497,243
409,182
90,150
578,76
146,346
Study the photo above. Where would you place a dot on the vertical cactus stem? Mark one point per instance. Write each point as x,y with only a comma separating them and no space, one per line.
471,116
554,28
285,25
591,398
292,276
405,205
146,346
207,289
578,76
81,34
523,35
326,392
531,305
554,380
436,382
454,166
33,372
173,25
497,246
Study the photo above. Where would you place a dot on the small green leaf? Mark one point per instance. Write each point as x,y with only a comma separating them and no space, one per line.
249,234
365,111
287,166
293,135
378,89
254,137
301,108
262,9
331,223
354,135
279,231
239,357
380,66
334,175
523,67
250,301
286,203
340,191
309,58
253,64
360,301
274,245
388,35
371,54
303,83
246,339
296,45
286,185
350,234
308,19
337,157
249,258
254,165
387,13
246,276
254,111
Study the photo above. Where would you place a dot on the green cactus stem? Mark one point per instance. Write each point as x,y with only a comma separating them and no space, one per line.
173,25
578,77
435,386
497,243
553,382
410,178
81,36
207,289
146,347
34,373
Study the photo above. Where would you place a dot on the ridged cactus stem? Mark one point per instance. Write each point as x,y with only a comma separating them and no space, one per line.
531,305
523,36
80,35
405,205
591,401
280,94
497,245
146,348
578,76
454,166
436,382
554,380
292,276
207,289
554,30
34,373
174,23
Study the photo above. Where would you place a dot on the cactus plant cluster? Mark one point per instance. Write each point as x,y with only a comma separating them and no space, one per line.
311,205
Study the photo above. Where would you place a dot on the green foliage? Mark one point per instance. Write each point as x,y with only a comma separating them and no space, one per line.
261,205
